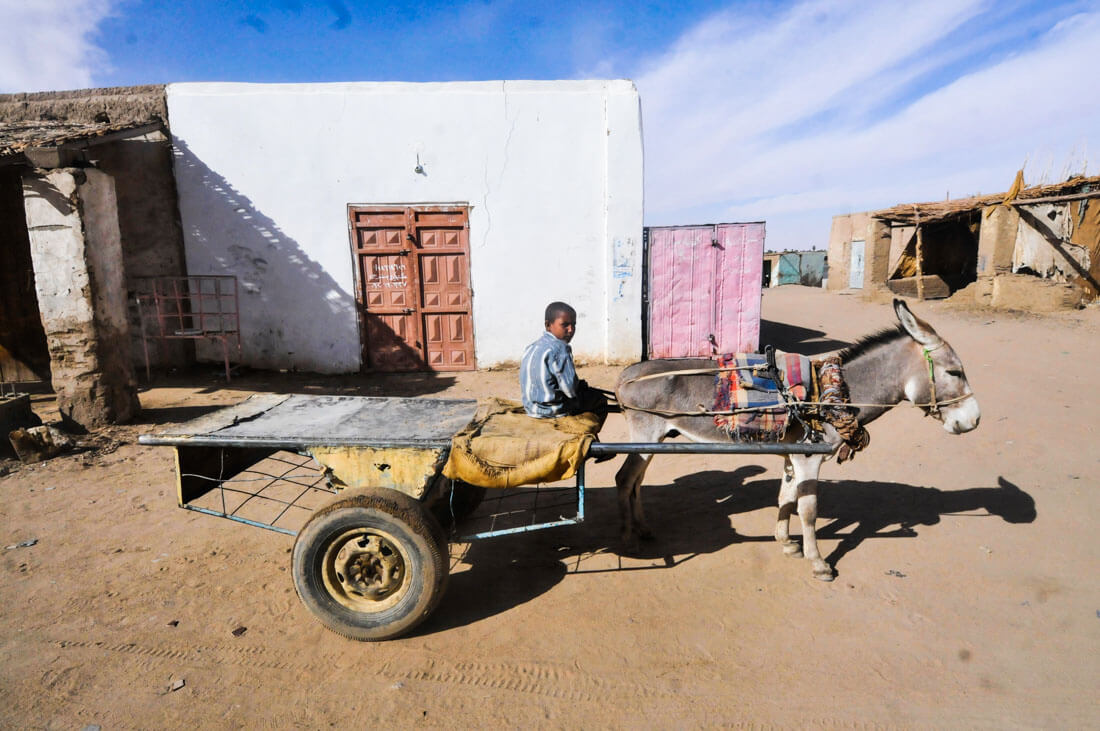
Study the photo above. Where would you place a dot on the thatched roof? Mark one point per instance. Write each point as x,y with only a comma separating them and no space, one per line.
15,137
907,213
114,104
71,120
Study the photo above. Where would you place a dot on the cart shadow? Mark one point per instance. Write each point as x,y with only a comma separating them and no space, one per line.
692,516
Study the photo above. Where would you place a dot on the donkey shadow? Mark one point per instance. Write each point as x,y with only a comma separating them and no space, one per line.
870,509
867,509
691,517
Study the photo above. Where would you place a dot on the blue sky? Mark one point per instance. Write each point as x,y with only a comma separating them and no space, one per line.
788,112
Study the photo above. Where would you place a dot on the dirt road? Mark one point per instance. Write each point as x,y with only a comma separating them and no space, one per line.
966,596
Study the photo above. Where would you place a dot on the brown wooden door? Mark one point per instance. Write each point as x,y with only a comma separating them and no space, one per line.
413,287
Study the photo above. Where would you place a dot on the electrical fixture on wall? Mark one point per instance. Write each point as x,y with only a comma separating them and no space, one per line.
419,169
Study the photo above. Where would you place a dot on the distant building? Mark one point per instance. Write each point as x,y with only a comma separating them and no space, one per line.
807,268
1034,248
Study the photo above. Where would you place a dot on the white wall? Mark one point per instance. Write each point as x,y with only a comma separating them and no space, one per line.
552,172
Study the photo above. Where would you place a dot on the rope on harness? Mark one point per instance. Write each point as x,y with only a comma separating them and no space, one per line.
836,409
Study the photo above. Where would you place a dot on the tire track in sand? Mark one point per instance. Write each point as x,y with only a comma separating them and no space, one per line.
549,681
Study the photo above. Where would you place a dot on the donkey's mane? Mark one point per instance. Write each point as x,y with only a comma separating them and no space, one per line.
869,342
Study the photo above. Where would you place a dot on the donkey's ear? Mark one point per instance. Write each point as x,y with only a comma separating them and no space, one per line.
917,328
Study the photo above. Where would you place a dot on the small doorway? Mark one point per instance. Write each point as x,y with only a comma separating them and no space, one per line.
412,287
24,355
855,275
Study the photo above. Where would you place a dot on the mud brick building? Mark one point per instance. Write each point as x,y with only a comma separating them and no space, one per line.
1032,248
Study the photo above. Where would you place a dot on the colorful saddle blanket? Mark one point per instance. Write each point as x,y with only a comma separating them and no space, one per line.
750,406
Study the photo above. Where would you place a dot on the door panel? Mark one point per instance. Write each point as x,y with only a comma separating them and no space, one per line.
445,291
414,287
681,288
392,342
740,274
385,290
448,341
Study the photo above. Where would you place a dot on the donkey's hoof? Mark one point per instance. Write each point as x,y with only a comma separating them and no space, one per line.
792,549
824,572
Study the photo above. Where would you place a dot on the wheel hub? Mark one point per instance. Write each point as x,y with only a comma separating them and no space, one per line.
369,566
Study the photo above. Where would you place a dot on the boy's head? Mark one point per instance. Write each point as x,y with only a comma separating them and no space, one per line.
561,321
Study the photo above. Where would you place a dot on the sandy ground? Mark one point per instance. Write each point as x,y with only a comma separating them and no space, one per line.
967,592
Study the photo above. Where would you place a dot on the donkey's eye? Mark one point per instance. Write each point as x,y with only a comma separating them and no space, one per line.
957,373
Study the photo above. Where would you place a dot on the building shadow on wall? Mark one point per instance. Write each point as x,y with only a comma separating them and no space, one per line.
796,339
287,300
691,517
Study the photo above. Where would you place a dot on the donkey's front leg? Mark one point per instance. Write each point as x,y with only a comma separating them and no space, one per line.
806,470
788,500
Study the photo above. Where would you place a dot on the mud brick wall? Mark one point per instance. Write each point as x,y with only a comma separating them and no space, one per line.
80,281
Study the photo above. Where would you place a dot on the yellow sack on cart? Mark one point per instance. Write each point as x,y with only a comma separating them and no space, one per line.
504,447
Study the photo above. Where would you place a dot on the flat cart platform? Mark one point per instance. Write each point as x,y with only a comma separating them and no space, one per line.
358,482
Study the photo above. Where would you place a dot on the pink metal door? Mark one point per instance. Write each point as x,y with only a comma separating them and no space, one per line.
704,289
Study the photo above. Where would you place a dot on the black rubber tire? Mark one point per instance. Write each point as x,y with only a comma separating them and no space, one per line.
377,533
452,509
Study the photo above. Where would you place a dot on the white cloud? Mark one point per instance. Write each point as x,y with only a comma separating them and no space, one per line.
47,44
767,118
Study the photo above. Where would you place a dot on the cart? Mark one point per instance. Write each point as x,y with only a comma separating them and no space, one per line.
358,482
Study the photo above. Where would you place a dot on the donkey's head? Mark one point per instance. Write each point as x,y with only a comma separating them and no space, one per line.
939,384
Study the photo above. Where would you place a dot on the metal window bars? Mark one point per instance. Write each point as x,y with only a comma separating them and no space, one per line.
190,308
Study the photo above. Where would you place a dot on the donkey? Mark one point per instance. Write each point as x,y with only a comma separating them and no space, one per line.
909,362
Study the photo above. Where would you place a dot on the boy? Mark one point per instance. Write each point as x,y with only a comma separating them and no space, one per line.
547,377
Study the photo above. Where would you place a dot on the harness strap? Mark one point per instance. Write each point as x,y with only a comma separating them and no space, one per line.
703,411
933,408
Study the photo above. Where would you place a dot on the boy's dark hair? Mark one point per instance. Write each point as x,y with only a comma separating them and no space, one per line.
556,309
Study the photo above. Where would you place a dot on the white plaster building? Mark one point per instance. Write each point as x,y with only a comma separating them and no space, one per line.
535,186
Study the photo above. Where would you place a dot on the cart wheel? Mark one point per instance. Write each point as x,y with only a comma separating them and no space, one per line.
459,501
371,565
